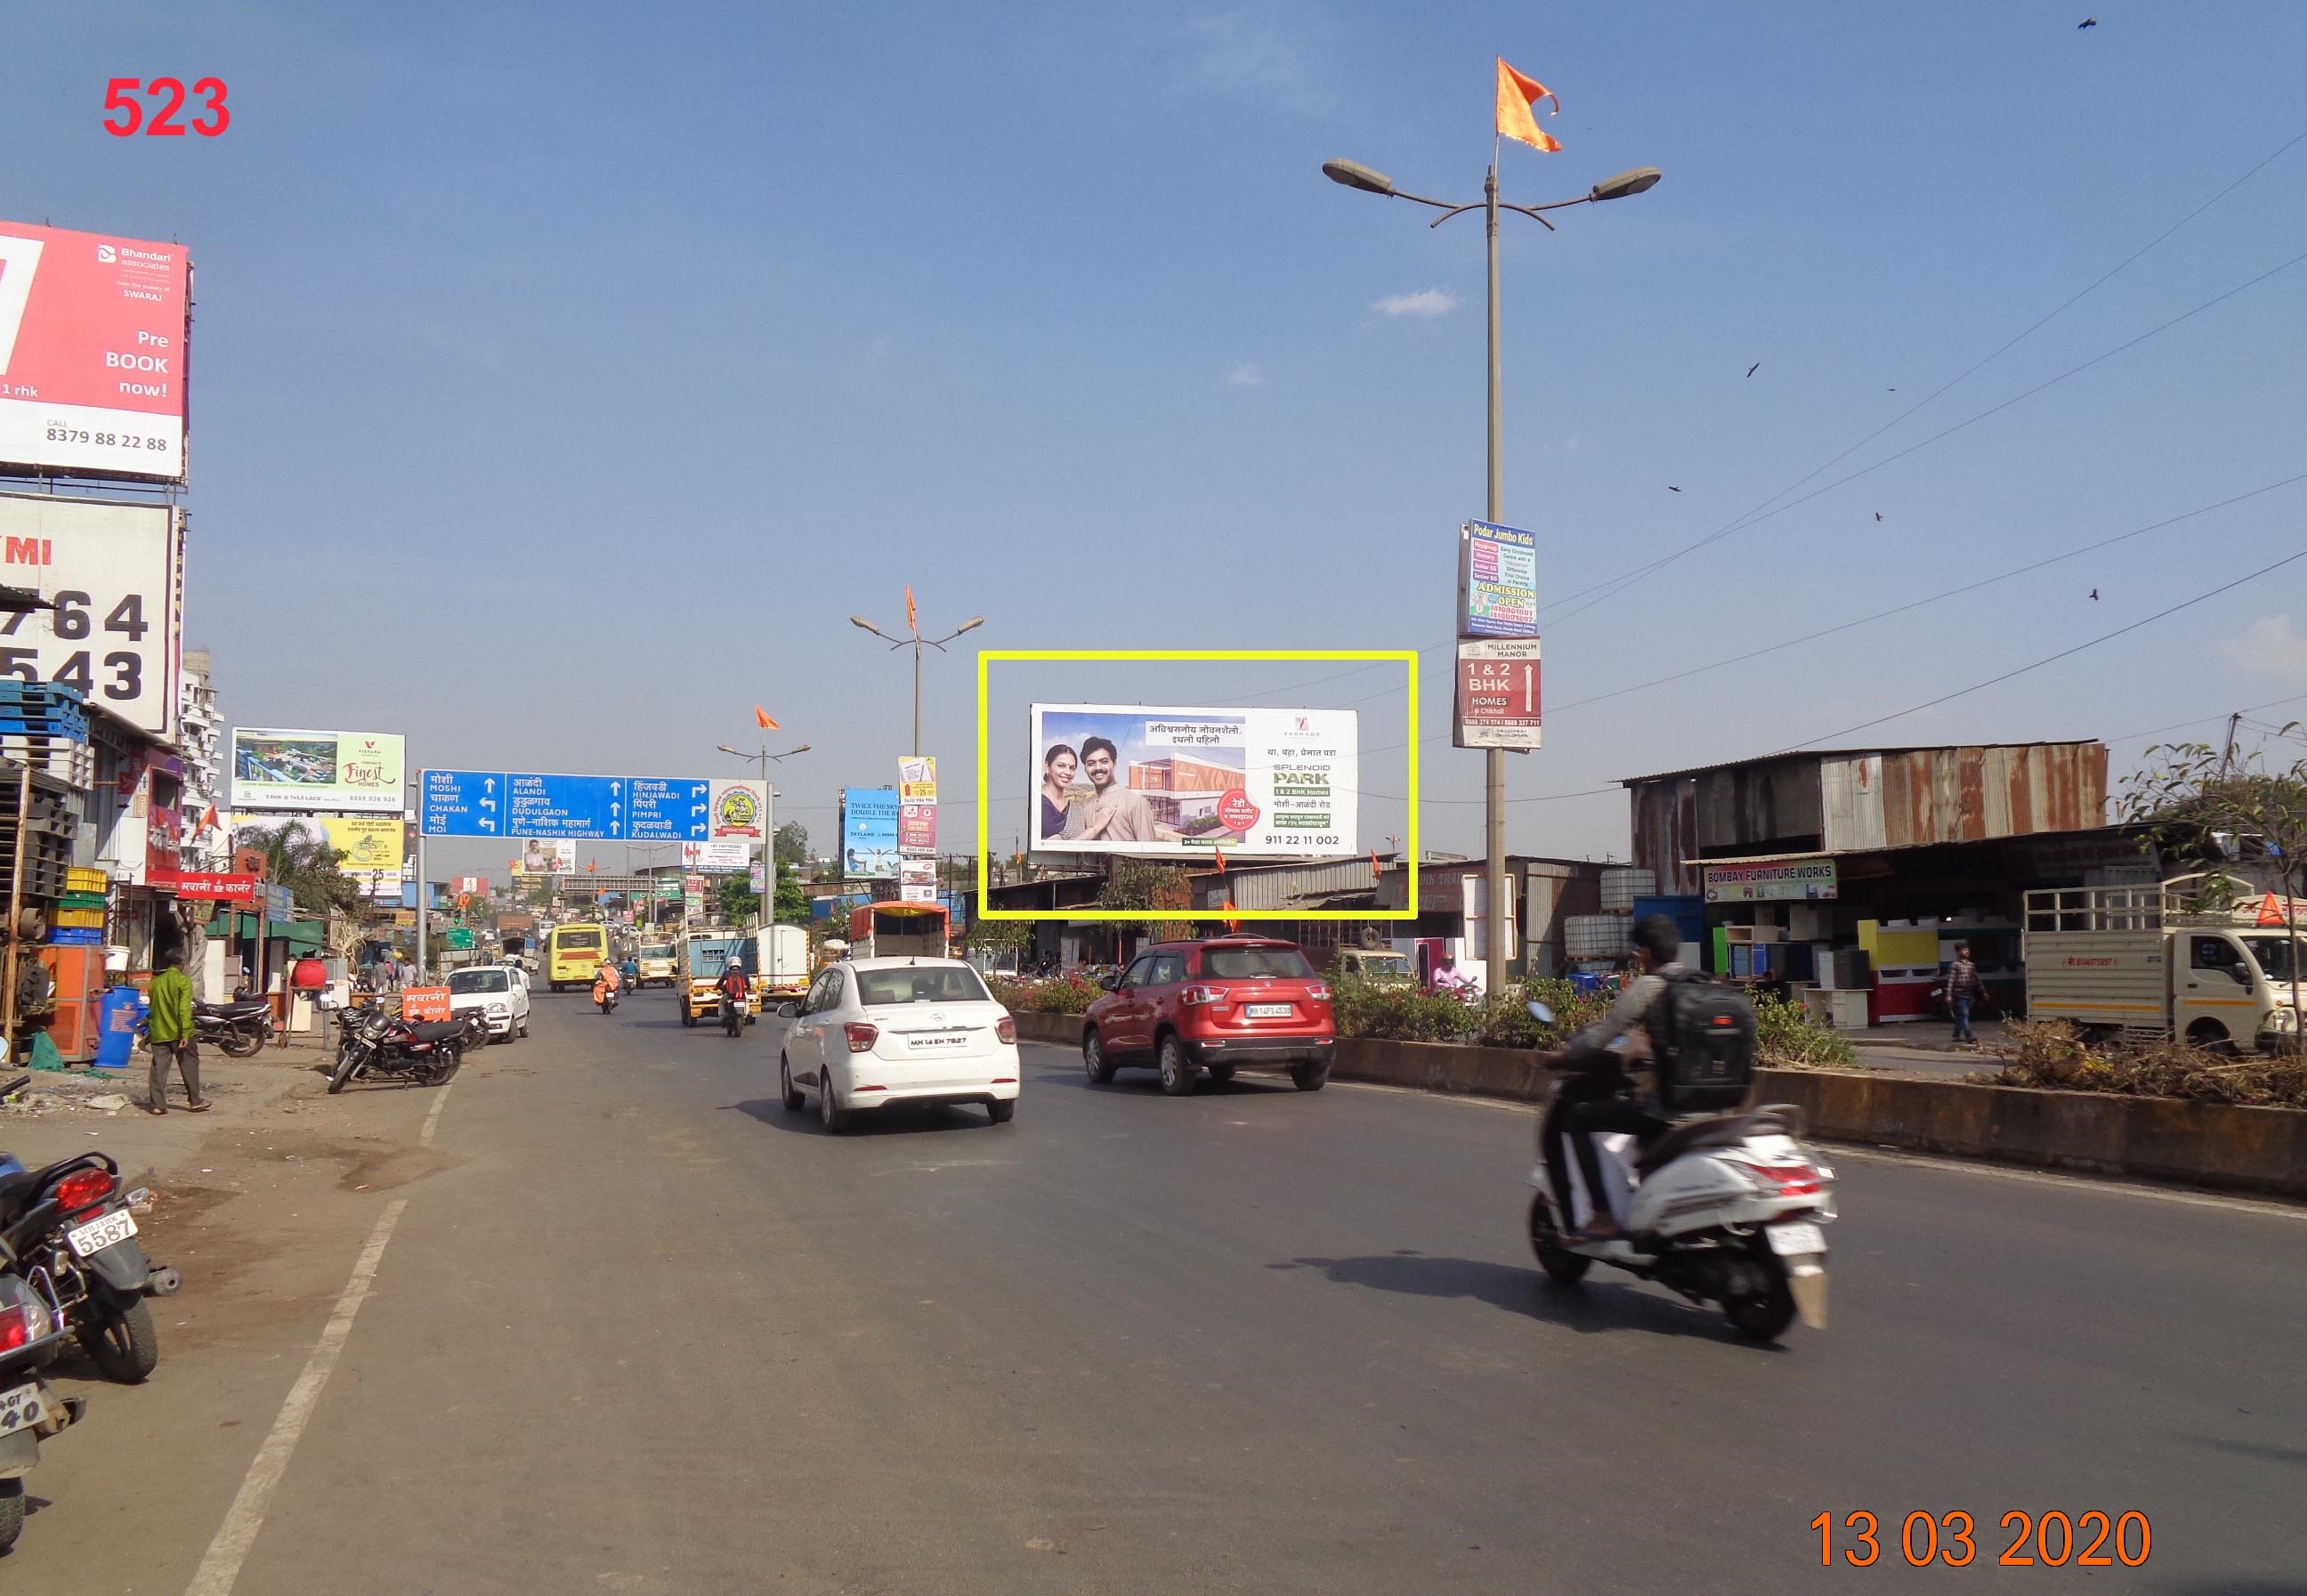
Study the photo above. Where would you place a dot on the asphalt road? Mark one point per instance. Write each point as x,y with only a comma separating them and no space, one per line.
638,1330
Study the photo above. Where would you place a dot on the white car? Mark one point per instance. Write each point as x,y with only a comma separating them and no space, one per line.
499,993
876,1031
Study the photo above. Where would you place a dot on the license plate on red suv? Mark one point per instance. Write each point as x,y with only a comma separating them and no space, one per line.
1267,1010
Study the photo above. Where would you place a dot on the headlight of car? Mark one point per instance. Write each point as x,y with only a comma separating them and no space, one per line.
497,1008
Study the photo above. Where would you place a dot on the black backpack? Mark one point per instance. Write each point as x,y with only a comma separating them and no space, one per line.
1702,1044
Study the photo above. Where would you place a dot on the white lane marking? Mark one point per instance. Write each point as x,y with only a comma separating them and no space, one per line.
2065,1180
219,1569
433,1119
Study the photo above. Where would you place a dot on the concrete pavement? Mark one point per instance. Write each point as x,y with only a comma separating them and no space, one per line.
638,1330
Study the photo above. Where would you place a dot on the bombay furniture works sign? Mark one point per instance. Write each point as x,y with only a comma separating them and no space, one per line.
1792,879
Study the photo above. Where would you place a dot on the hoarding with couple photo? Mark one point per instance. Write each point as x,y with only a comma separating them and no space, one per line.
1112,778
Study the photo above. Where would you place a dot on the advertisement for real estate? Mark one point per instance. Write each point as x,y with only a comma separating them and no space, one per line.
112,574
869,834
1114,779
92,352
316,771
372,847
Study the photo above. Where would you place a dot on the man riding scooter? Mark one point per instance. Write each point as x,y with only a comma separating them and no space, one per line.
1596,1096
735,992
605,982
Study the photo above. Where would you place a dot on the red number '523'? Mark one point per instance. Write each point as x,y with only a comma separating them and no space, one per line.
120,95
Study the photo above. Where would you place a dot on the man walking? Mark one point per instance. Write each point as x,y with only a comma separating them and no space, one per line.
1964,992
169,1028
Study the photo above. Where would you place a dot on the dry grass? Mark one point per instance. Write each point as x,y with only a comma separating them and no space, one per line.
2052,1054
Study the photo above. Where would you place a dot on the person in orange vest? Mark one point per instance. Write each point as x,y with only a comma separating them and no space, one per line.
605,986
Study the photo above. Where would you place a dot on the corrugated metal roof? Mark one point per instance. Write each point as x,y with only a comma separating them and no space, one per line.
1845,753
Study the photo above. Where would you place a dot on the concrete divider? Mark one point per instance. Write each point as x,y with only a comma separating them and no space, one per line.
2200,1144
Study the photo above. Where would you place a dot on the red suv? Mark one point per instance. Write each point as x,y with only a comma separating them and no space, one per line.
1186,1007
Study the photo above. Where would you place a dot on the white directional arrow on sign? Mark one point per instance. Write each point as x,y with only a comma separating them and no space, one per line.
489,784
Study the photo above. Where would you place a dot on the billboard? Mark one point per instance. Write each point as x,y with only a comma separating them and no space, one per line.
373,847
917,881
917,779
545,856
346,772
868,833
917,828
92,353
1796,881
113,573
1497,581
741,809
1122,779
1498,698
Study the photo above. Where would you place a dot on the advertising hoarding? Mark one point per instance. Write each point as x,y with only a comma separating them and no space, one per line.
545,856
113,573
917,779
1123,778
1794,880
346,771
868,833
917,828
740,809
1498,703
1497,581
92,353
373,847
917,881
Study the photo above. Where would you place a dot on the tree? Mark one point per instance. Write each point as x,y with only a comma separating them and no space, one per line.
792,844
1142,884
2205,806
297,855
734,900
791,903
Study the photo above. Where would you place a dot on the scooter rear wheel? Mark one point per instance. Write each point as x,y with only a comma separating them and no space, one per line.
236,1043
1562,1267
1757,1300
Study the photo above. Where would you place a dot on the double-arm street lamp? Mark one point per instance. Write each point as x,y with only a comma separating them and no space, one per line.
768,832
1354,175
917,642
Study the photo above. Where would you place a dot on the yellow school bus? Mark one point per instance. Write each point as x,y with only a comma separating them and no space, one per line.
573,953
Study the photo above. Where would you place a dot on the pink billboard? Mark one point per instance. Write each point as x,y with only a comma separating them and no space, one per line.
92,353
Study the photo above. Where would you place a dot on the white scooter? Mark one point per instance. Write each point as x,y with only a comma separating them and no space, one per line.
1728,1209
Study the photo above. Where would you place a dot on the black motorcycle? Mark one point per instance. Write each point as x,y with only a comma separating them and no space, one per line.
238,1028
372,1044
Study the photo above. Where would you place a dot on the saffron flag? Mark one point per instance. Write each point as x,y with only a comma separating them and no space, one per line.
761,718
208,818
1376,868
1516,95
2270,913
910,623
1231,924
1221,854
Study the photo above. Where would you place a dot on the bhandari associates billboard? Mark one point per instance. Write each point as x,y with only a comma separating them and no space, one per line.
1123,778
92,353
322,772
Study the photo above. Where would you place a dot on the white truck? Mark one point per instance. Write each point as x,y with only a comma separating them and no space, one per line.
783,969
2186,957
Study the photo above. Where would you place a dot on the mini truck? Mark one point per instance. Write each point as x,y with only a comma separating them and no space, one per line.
2187,957
703,955
782,968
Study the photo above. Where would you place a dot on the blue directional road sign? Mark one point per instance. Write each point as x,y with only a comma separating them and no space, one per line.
463,804
580,806
668,809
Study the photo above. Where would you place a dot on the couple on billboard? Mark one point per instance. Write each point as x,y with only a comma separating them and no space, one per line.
1111,814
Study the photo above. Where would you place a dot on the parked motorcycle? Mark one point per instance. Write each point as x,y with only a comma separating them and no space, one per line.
238,1029
372,1044
68,1231
1728,1209
31,1332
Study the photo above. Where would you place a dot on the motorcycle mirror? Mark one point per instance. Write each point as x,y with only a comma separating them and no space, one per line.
1540,1012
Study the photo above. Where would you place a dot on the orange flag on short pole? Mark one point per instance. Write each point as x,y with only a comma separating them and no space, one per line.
1516,95
208,818
911,625
761,719
1221,854
1375,867
1231,924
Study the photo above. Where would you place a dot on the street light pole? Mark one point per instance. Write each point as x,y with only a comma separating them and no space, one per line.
1354,175
916,642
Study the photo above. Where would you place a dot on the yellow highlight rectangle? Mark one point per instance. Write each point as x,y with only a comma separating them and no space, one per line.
1407,658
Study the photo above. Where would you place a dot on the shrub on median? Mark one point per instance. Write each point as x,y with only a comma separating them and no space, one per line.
2052,1054
1067,994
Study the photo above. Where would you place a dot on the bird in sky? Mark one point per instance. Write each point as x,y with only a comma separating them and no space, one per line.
2085,22
1878,515
1672,489
2094,594
1754,368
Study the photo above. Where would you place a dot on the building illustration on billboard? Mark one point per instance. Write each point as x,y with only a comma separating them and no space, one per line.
1128,779
316,771
869,834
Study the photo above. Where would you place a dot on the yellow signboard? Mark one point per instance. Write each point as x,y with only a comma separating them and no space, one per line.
917,779
369,844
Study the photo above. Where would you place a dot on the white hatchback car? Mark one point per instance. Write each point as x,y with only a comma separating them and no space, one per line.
499,992
876,1031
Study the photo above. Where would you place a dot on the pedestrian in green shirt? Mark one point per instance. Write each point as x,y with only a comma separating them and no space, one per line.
169,1028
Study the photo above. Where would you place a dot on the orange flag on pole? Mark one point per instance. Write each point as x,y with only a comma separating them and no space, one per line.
911,625
1375,866
761,719
1517,95
1232,925
1221,854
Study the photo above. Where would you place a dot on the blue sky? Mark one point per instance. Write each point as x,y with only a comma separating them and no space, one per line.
565,377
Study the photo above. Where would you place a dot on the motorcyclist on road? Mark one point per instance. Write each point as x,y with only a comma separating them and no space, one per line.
606,985
1596,1096
735,988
